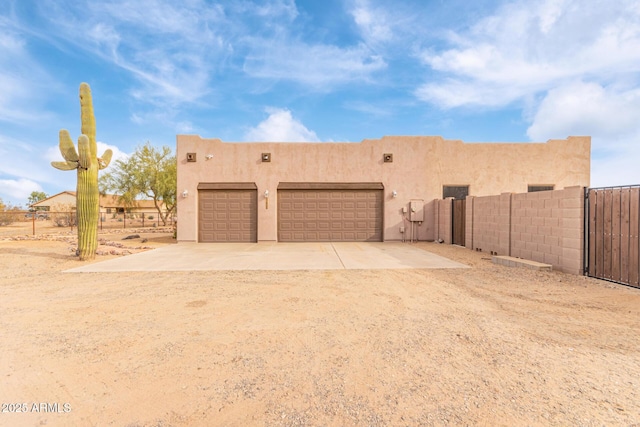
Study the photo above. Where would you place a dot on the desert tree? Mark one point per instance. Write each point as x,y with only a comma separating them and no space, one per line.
36,196
149,173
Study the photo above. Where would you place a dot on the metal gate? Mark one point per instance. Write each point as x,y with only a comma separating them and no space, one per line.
612,222
458,222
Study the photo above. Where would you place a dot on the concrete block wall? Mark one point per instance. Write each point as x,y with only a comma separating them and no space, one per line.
490,223
468,227
572,206
443,220
536,227
546,226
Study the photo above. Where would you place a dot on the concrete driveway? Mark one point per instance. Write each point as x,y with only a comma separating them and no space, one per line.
275,256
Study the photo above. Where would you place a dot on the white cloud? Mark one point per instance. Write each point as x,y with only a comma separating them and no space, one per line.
319,66
369,108
22,80
372,22
608,114
17,191
185,127
530,47
280,126
175,49
21,159
274,9
619,167
169,47
587,108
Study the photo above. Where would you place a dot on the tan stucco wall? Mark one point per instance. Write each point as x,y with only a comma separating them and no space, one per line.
58,202
421,166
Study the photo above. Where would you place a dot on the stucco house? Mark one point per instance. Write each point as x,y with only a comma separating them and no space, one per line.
66,201
111,203
374,190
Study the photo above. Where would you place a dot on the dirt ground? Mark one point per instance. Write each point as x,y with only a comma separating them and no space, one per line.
490,345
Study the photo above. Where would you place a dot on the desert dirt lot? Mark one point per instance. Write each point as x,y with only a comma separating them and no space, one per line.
489,345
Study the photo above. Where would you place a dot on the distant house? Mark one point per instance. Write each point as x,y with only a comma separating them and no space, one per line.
109,203
61,202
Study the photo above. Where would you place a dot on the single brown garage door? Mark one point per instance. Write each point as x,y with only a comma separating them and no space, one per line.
323,212
227,212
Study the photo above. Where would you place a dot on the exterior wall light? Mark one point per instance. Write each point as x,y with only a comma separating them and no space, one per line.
209,156
266,199
394,194
185,193
266,194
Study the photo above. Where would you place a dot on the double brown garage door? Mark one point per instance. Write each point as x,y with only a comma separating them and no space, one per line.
307,212
329,212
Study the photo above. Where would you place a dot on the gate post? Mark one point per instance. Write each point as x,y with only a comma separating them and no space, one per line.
587,217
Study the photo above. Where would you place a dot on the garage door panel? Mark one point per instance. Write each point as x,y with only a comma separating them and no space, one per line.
330,215
287,216
227,215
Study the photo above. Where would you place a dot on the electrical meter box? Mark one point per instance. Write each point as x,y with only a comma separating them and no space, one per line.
416,208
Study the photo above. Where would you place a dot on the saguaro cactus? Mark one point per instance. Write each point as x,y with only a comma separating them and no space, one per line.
87,163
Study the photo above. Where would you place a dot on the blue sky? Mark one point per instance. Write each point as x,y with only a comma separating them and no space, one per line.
330,70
